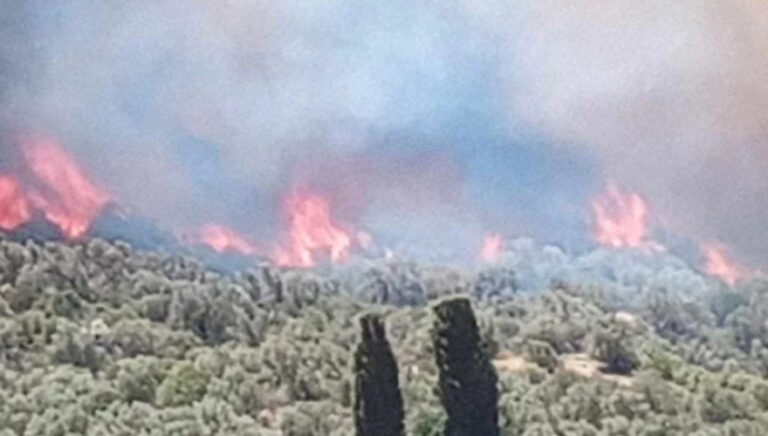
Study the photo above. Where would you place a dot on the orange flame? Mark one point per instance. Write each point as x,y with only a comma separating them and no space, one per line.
221,239
718,264
62,192
491,247
14,207
311,231
66,196
620,218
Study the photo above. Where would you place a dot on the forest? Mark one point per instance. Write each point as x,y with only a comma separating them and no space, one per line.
97,339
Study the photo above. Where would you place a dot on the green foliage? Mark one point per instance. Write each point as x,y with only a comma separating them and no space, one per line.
614,348
429,422
99,339
723,303
137,379
665,363
183,386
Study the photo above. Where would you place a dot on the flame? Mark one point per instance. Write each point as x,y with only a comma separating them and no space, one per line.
620,218
221,239
65,195
14,206
491,247
311,231
718,264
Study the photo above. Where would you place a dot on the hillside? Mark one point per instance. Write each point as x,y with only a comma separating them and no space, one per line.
98,339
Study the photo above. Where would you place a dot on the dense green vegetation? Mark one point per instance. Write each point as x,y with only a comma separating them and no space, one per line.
97,339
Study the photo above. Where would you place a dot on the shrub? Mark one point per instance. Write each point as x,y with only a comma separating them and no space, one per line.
183,386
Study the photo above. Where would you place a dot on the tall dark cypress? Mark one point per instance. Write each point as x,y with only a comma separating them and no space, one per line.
378,403
467,377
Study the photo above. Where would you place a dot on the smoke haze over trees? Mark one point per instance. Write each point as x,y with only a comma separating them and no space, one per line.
504,117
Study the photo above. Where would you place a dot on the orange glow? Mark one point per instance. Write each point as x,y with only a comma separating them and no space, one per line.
65,195
491,247
221,239
620,218
14,207
718,264
311,232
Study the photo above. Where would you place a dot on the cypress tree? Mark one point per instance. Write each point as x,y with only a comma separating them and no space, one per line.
378,405
467,381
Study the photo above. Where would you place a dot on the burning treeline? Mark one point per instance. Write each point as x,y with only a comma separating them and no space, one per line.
50,185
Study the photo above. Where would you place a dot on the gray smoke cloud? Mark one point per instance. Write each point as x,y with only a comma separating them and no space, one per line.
193,110
670,97
125,84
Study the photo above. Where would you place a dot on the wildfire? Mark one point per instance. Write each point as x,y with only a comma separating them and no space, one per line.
620,218
310,232
491,247
65,195
221,239
59,189
55,186
718,264
14,207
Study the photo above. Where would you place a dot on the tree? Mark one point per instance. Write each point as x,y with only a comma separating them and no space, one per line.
378,404
467,380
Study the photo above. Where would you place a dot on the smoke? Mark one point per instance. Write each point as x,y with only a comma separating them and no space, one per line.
197,111
427,121
670,98
182,108
162,92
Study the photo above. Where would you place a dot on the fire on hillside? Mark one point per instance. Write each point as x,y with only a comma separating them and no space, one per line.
53,186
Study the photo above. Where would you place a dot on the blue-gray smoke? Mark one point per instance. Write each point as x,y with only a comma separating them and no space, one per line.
193,111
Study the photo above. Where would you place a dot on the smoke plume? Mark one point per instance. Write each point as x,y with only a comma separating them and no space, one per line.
670,98
428,122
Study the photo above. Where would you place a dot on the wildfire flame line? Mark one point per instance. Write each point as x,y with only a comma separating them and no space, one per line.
14,206
311,232
57,187
221,238
718,264
60,190
620,218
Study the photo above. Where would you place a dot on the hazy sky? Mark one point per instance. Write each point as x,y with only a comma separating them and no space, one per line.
429,122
